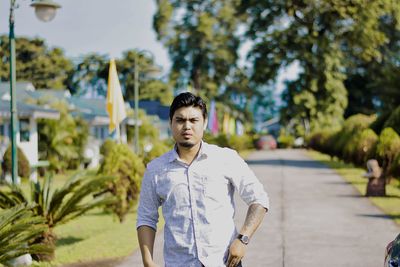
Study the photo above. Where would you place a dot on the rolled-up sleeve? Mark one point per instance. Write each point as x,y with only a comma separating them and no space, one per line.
250,189
148,202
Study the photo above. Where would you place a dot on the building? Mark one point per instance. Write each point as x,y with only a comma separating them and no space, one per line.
33,104
27,114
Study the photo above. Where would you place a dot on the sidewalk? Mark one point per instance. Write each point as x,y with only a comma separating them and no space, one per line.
316,218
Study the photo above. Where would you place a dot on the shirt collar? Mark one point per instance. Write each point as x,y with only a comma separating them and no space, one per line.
204,150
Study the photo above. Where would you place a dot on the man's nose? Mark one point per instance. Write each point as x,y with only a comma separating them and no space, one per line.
187,125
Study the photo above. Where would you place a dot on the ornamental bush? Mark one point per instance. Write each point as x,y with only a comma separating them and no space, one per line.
241,142
365,147
23,163
388,149
107,146
285,140
394,120
353,125
320,141
157,150
128,170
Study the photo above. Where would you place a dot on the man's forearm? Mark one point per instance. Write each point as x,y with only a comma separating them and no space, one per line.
146,236
254,217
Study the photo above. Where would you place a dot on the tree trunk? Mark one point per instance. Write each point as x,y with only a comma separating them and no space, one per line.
376,187
49,239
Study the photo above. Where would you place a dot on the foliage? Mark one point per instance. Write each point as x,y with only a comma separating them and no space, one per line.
388,149
241,142
150,88
221,139
107,147
353,125
46,68
365,147
18,227
379,123
394,120
62,141
320,141
128,170
326,39
89,76
58,206
202,40
285,140
158,148
23,163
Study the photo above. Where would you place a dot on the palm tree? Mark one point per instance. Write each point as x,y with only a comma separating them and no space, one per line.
61,205
18,227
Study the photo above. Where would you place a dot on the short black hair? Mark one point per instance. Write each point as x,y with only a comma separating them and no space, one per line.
187,99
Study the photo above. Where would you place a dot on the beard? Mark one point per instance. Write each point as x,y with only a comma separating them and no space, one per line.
186,144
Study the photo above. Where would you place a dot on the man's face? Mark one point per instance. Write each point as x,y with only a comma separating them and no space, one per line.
187,126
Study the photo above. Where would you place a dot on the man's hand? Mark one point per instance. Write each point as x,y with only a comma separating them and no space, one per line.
236,253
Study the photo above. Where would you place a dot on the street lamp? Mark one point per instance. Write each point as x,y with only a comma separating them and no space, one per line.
152,70
45,10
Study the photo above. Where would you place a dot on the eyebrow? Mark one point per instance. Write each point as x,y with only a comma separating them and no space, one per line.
177,117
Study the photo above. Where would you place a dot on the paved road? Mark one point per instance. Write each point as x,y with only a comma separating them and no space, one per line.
316,218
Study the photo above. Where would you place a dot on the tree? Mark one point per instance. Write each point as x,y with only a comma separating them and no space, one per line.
18,227
89,76
58,206
150,88
46,68
62,141
202,41
128,170
321,36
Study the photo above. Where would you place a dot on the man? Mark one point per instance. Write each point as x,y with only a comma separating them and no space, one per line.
194,184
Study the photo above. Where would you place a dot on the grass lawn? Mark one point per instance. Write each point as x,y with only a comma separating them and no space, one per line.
390,204
95,236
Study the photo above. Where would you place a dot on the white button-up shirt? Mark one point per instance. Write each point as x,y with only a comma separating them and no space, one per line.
197,203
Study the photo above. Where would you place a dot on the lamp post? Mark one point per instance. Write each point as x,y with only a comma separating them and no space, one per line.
45,10
152,70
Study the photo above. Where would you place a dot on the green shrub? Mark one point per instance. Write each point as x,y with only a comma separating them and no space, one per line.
379,123
128,170
107,146
157,150
320,141
365,147
388,149
23,163
353,125
396,167
221,140
394,120
241,142
285,140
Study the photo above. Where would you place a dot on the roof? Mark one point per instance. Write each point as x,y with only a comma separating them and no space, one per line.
27,110
153,108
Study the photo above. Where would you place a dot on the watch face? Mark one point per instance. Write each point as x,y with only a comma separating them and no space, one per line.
244,239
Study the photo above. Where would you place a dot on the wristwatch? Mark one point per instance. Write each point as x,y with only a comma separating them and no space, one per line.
244,239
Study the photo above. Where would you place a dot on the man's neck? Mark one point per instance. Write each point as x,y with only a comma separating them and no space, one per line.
186,154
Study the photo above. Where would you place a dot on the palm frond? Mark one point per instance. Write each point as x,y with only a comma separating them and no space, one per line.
19,226
74,203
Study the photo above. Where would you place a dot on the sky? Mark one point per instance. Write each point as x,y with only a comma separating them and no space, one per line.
104,26
84,26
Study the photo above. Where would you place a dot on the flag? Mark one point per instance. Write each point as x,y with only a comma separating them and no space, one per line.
239,128
225,124
213,119
232,126
115,104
